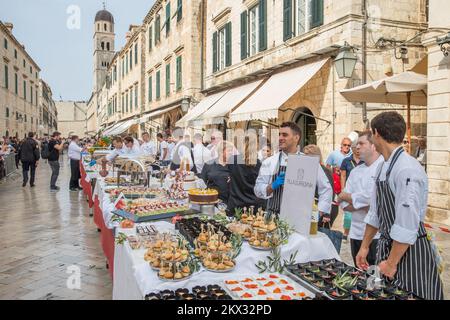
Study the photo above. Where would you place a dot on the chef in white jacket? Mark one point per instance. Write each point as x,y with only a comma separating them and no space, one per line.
270,181
357,194
148,147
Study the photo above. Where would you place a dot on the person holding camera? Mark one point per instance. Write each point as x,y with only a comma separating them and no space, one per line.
55,146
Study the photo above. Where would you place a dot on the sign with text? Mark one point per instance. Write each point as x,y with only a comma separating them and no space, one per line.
298,194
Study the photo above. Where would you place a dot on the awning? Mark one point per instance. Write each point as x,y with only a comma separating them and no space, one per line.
200,108
392,90
156,113
110,128
124,126
216,114
265,102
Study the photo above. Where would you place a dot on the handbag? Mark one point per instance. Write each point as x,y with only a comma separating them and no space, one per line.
335,237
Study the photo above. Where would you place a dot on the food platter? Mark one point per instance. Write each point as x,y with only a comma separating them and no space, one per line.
139,219
260,248
220,271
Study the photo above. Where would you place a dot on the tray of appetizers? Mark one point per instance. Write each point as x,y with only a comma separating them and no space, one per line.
153,216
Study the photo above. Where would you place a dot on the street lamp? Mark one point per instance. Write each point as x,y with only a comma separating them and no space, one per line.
185,103
444,43
345,62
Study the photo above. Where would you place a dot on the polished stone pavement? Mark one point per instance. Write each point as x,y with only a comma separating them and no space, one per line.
43,235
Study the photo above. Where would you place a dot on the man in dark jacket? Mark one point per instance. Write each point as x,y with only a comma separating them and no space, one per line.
29,155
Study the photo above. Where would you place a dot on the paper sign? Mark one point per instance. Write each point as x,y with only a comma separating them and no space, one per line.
299,190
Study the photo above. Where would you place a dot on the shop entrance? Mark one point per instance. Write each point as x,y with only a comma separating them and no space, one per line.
304,118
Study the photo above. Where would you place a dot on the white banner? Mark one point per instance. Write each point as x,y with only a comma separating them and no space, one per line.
298,194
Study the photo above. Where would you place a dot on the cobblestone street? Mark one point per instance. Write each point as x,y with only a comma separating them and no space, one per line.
42,234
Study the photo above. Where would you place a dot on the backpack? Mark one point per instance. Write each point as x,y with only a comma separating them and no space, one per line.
45,153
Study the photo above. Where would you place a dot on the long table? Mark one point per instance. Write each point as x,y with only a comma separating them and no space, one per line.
133,277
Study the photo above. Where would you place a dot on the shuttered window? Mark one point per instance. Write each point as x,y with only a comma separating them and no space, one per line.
244,35
287,19
316,13
150,38
150,89
157,29
180,10
168,80
167,19
179,73
262,25
158,85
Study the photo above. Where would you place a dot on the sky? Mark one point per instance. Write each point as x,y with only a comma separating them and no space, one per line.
58,35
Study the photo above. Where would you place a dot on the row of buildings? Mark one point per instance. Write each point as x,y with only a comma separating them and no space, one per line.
256,63
26,102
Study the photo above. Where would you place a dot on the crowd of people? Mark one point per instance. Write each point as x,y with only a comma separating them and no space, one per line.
381,189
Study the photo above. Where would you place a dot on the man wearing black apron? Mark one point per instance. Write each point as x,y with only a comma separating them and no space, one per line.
270,181
397,211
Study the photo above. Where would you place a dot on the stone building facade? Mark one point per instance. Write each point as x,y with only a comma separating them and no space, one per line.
438,114
254,39
72,118
48,113
157,71
19,86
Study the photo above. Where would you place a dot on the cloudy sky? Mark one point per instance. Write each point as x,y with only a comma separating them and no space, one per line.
58,36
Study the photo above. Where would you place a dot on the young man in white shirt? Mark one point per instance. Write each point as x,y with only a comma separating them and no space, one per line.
171,143
357,193
270,182
164,154
148,148
125,147
397,211
74,154
201,153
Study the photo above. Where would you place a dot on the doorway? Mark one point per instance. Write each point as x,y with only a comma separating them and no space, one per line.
304,118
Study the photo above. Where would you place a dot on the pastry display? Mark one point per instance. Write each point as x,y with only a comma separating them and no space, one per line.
113,181
192,228
135,192
259,220
338,281
144,207
210,292
267,287
203,196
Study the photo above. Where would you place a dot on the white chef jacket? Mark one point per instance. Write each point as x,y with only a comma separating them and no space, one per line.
148,148
164,145
123,152
74,151
360,185
183,152
171,147
269,168
409,183
201,155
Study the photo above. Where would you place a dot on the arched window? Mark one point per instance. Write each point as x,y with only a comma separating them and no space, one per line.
98,26
107,46
103,45
104,26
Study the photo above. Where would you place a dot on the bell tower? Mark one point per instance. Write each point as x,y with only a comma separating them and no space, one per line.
104,38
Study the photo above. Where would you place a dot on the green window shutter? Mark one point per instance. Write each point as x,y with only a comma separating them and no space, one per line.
158,29
136,54
168,80
179,73
150,38
215,52
123,104
158,85
136,104
287,19
150,89
262,25
31,93
6,77
167,19
24,89
131,99
316,13
228,51
180,10
126,102
244,35
16,84
131,58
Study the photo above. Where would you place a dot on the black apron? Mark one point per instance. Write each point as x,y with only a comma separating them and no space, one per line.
417,271
274,203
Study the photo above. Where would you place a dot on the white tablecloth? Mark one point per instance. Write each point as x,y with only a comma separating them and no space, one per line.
133,277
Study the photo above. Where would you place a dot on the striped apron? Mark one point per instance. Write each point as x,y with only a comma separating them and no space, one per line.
274,203
417,271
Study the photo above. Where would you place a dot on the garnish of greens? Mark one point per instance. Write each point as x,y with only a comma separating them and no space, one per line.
345,281
121,238
238,213
274,263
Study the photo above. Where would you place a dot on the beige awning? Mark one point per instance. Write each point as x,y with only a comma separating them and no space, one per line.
279,88
217,113
200,108
124,126
156,113
392,90
421,67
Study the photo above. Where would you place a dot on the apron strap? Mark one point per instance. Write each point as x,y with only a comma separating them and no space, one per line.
394,160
